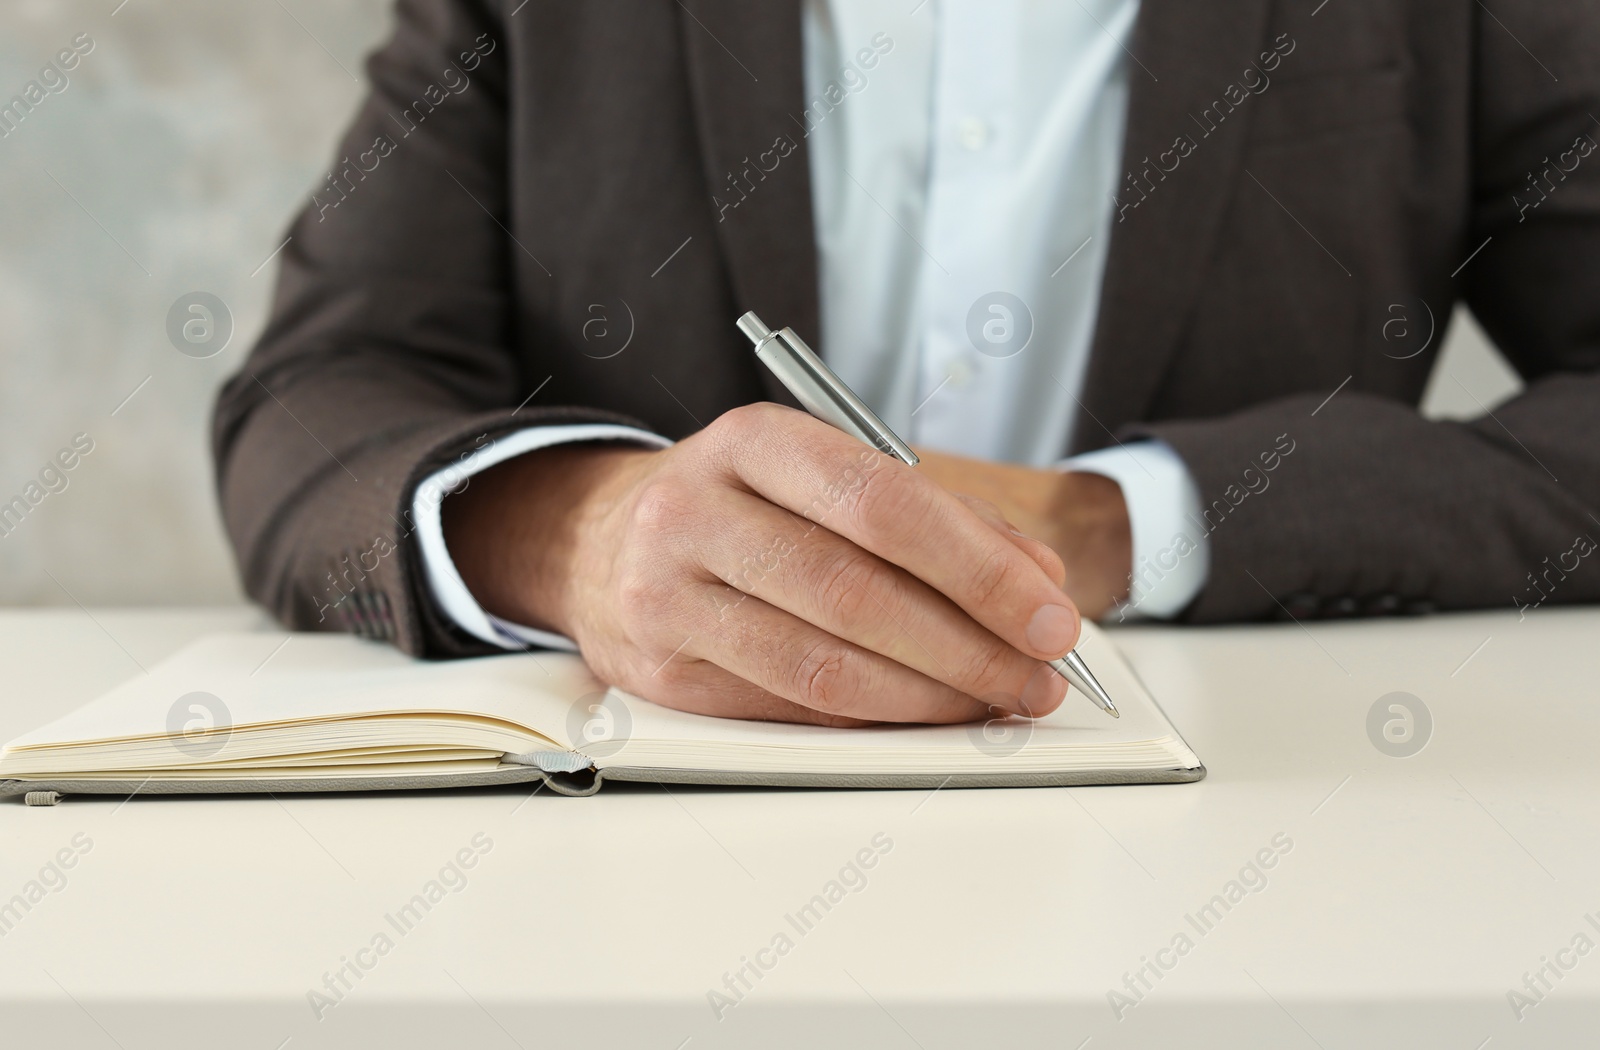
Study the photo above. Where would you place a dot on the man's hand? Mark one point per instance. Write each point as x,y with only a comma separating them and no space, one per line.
1082,517
770,567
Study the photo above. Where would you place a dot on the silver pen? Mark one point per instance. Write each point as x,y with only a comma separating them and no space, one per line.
825,396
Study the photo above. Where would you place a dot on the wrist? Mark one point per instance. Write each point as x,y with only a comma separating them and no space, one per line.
1093,534
520,531
1082,516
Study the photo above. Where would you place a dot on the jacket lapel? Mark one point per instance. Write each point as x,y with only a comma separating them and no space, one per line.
748,86
1191,53
746,78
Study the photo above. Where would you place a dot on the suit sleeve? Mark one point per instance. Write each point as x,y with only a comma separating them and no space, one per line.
387,356
1376,509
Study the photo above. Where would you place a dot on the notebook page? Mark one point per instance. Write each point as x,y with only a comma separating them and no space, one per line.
318,677
657,737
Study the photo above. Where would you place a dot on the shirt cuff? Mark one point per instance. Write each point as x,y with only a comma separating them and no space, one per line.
444,580
1171,555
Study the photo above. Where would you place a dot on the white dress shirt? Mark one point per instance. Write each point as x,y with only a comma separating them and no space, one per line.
963,158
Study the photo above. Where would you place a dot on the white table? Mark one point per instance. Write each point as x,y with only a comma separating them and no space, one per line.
1417,891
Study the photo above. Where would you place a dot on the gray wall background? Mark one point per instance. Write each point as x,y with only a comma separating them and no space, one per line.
170,164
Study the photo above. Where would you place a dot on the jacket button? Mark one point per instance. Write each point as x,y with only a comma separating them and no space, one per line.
1302,606
1383,605
1341,608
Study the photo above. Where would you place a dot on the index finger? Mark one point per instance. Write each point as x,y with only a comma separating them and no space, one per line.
904,517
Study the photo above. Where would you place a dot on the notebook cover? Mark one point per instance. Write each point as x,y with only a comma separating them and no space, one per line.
587,783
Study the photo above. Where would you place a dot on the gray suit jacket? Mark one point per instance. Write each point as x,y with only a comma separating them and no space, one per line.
1290,229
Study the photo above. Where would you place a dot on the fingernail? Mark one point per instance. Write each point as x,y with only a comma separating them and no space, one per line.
1052,629
1043,693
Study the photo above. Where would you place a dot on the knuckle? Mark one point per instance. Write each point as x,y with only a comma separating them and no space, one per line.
886,499
821,678
661,505
1055,568
982,507
743,425
841,585
990,668
675,677
640,596
996,574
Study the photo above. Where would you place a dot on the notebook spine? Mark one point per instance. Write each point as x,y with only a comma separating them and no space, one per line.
551,761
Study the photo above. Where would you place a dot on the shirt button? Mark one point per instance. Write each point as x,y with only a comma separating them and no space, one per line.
972,133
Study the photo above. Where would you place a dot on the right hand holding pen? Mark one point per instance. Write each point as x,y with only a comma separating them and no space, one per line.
770,567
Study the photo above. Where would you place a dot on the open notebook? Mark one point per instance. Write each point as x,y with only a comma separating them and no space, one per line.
233,713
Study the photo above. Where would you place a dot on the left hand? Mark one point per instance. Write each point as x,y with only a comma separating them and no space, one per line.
1082,517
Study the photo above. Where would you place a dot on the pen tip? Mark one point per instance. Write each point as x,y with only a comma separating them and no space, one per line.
1074,670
